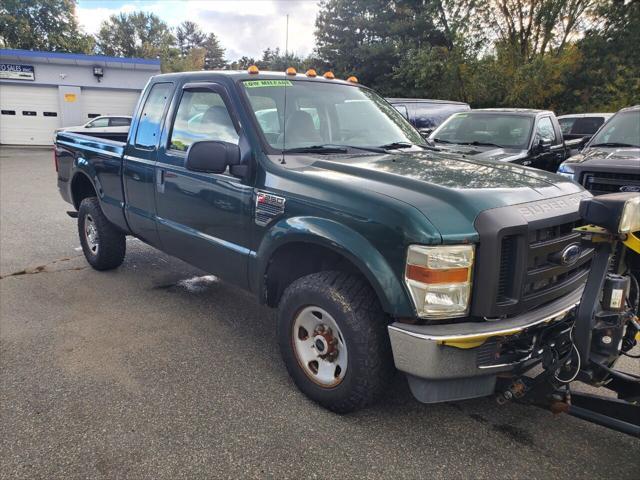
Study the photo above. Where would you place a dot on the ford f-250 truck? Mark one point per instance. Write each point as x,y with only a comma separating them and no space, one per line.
377,250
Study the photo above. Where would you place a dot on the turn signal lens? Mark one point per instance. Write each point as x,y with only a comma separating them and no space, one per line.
329,75
439,280
253,70
311,73
291,71
352,79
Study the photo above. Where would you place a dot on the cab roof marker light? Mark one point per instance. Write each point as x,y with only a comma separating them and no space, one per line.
329,75
311,73
290,71
352,79
252,70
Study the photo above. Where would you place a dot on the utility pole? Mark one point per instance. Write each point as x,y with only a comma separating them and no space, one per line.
286,41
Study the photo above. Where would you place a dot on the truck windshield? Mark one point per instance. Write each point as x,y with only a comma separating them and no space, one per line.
623,130
314,114
503,130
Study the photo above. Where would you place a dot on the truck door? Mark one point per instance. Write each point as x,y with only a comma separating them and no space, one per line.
548,154
203,218
139,163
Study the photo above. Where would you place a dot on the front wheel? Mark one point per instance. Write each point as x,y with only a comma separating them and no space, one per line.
103,244
334,341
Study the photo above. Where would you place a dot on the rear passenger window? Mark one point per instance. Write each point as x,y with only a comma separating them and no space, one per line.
587,125
201,116
119,122
149,124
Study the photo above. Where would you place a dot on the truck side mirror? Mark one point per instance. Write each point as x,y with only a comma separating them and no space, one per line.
544,145
212,157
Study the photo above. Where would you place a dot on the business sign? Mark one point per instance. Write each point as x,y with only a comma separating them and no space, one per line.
12,71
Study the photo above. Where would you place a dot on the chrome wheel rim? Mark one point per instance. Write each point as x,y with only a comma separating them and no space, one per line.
91,234
319,346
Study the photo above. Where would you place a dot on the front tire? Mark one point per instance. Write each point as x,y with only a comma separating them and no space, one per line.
333,340
104,245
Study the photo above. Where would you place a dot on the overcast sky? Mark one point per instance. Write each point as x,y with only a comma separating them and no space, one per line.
244,27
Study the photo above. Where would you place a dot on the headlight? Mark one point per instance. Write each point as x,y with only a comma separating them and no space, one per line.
566,170
617,212
439,279
630,219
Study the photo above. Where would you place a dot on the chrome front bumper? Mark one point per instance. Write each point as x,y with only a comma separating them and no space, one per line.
447,362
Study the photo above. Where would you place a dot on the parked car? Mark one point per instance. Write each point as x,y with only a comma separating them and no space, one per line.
426,114
525,137
579,125
375,248
610,161
110,127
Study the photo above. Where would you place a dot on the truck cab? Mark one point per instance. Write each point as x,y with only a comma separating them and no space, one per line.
379,251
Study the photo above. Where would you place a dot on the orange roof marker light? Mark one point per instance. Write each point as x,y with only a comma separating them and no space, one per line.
311,73
329,75
352,79
253,70
290,71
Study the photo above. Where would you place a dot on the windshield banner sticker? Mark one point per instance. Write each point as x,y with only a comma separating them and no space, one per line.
267,83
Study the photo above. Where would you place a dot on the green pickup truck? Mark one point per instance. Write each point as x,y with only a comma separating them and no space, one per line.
379,252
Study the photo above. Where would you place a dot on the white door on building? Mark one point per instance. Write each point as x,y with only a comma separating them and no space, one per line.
101,101
29,114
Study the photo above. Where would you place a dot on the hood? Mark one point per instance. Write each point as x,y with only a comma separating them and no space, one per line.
450,190
485,152
607,157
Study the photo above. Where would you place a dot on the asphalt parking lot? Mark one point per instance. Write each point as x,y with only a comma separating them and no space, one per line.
153,370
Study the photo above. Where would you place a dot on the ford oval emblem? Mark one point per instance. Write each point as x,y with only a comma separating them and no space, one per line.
630,188
570,254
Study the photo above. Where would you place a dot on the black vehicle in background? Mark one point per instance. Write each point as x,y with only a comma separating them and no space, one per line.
580,125
610,162
425,114
526,137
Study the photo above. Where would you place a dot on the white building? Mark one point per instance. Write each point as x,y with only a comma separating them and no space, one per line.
41,91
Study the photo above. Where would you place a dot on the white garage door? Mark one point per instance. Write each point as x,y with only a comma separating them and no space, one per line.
29,114
96,102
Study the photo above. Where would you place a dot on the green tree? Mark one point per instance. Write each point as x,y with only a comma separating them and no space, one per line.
188,36
214,53
48,25
609,74
137,34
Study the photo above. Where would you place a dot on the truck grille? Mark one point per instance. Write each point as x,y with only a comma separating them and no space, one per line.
607,182
543,276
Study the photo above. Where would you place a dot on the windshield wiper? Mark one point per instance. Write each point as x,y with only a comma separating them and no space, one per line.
398,145
437,140
317,149
481,144
613,144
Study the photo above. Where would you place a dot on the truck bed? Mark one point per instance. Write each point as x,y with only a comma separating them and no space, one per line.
91,144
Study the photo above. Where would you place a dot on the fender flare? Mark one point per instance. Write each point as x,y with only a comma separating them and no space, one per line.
344,241
82,167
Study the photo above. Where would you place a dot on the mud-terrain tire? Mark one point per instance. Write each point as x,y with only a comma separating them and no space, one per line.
345,316
103,244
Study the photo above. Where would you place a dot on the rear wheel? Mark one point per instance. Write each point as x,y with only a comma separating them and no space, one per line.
334,342
104,245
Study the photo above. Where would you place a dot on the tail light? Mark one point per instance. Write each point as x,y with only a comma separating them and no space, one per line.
55,158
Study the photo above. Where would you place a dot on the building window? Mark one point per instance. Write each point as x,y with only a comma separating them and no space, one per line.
50,114
93,115
29,113
8,112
